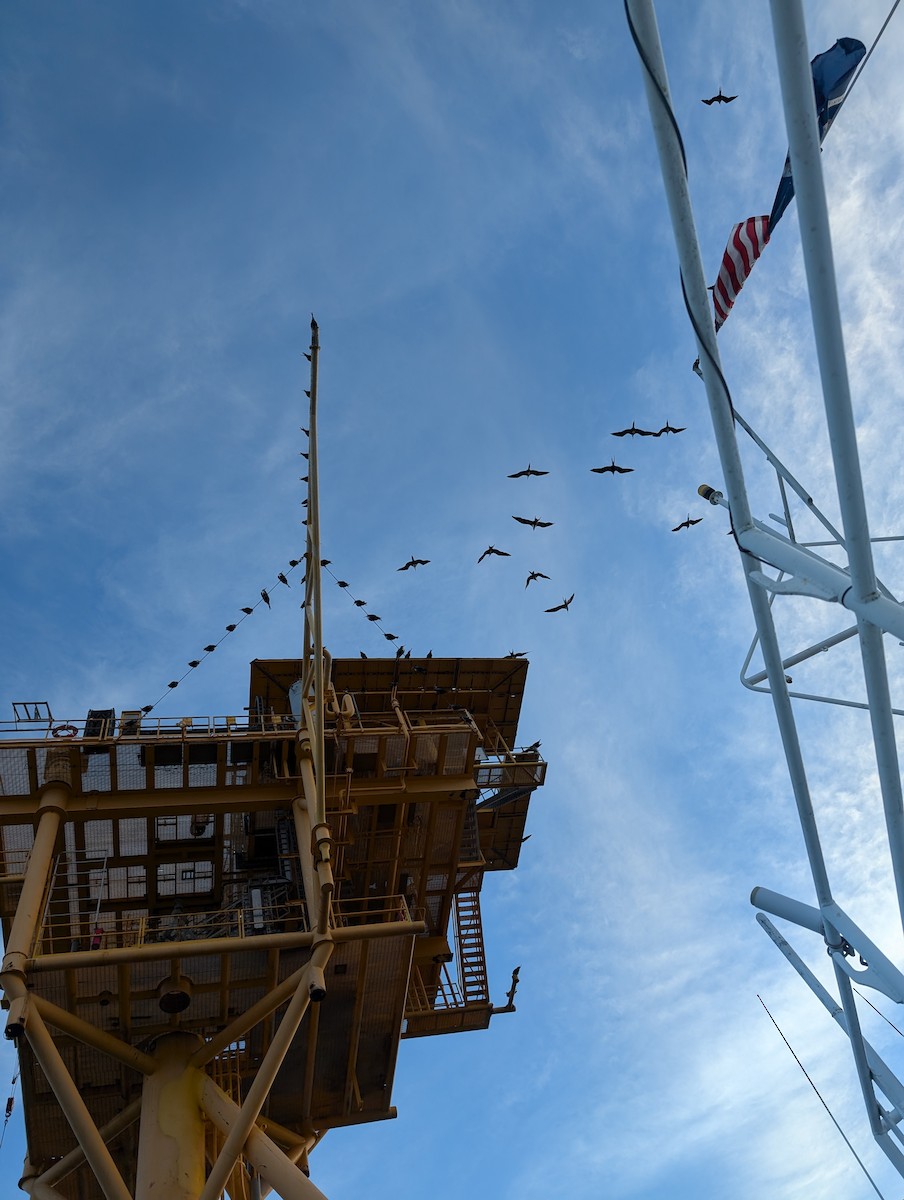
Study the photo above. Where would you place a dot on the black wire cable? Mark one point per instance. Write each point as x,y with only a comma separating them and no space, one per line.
821,1101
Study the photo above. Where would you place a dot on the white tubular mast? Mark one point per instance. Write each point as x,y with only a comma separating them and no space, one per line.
803,572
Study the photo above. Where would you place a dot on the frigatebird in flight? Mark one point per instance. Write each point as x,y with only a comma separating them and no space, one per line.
687,524
536,523
667,428
611,469
563,607
414,562
535,575
719,99
493,550
635,432
529,470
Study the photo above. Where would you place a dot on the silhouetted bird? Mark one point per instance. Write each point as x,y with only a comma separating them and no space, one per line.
529,470
265,597
391,637
634,432
535,575
230,628
400,652
306,432
612,469
209,649
535,522
373,617
325,562
493,550
147,708
304,454
429,654
173,683
360,603
414,562
563,607
282,579
247,611
516,654
667,428
533,747
687,524
195,662
719,99
363,655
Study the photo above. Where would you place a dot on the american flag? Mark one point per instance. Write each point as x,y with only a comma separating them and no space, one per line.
745,245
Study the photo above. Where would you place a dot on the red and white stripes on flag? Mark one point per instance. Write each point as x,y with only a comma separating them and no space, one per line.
744,247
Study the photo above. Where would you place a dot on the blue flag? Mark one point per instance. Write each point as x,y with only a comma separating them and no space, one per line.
832,72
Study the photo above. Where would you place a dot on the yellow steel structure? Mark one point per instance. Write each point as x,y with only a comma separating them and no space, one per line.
218,929
164,925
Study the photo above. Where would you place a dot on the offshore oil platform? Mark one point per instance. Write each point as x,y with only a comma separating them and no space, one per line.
218,929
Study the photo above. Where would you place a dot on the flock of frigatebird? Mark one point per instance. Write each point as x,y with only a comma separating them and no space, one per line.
534,523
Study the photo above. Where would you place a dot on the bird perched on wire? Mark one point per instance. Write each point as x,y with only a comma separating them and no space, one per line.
414,563
360,603
265,597
535,575
282,579
718,99
230,629
209,649
686,524
534,522
373,617
247,611
612,469
527,472
493,550
195,662
563,607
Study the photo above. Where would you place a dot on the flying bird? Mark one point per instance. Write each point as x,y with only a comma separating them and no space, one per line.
633,431
415,563
529,470
561,607
247,611
265,597
493,550
612,469
667,428
719,99
536,523
687,524
535,575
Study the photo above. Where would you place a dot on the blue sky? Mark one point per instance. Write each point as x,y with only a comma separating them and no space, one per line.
467,196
